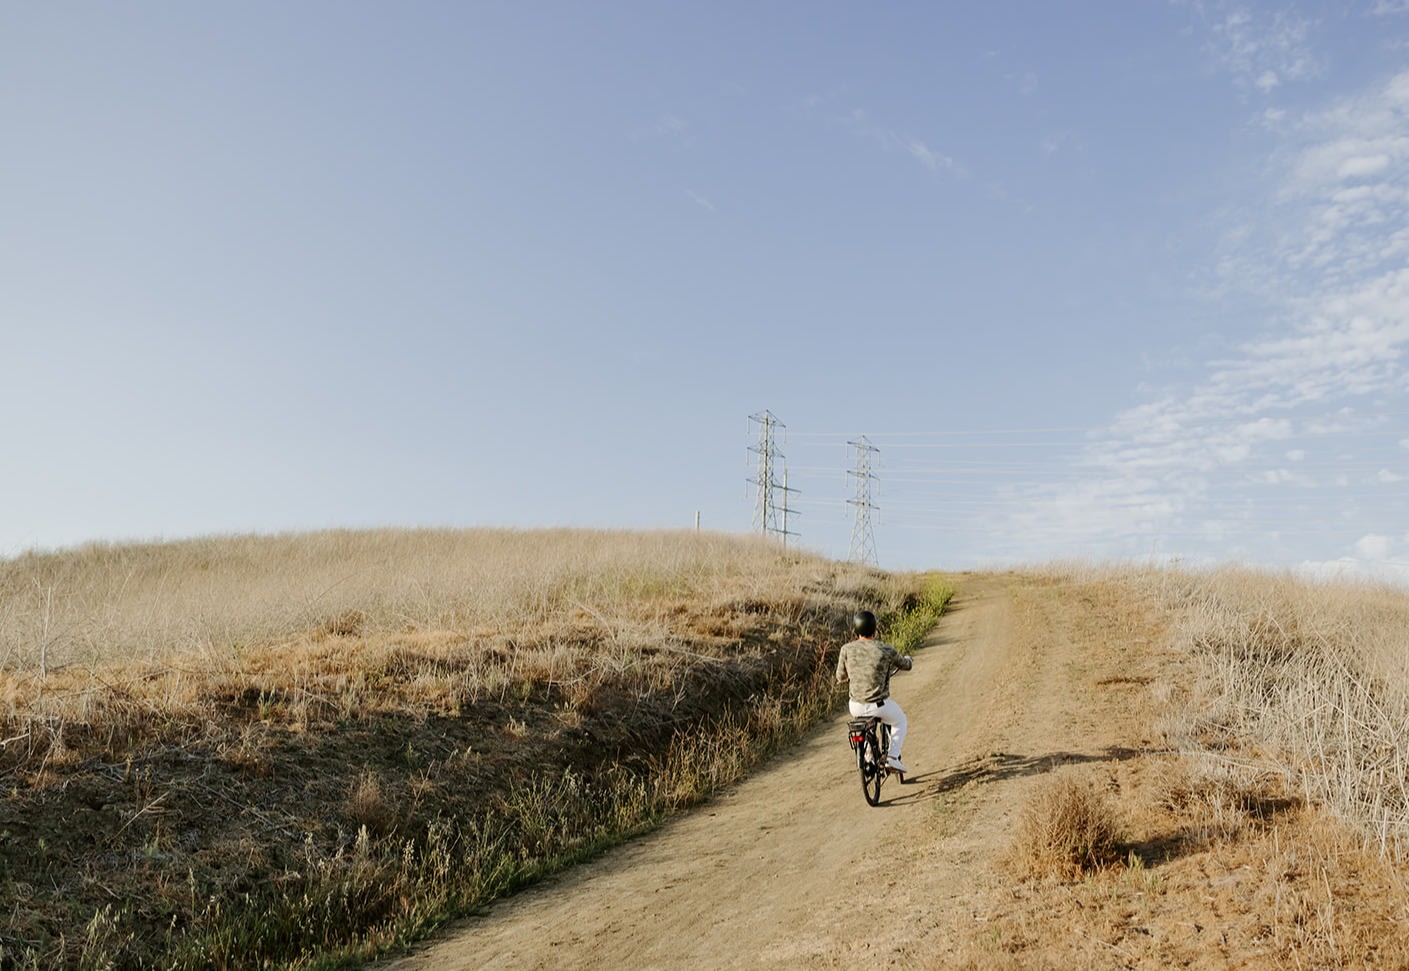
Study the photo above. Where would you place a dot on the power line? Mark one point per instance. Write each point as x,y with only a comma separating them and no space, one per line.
1111,486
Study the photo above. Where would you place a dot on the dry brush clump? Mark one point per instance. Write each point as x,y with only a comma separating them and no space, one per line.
1068,828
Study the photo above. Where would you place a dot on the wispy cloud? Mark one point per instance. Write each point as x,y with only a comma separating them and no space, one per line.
859,123
1204,468
1059,142
668,127
1373,556
1260,48
930,159
700,200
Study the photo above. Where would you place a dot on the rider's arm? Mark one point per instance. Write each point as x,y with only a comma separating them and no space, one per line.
841,665
903,661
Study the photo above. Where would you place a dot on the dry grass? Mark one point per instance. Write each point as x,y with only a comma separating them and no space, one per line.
1307,680
115,640
1067,829
142,603
1302,681
1235,850
368,805
266,746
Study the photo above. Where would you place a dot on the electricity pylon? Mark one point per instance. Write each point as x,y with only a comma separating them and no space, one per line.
863,540
767,489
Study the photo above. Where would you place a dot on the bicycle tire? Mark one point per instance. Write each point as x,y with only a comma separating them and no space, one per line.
861,765
874,772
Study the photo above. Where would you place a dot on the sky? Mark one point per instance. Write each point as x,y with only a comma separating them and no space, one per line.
1109,280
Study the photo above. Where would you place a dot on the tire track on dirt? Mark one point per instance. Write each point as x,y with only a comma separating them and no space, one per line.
791,867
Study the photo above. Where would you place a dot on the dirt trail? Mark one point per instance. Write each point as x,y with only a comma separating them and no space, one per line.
791,868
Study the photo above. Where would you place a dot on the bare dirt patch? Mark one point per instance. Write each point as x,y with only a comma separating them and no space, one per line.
1026,682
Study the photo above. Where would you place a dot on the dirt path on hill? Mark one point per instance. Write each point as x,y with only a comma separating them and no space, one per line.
791,868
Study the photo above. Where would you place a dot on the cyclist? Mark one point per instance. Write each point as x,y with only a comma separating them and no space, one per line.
866,664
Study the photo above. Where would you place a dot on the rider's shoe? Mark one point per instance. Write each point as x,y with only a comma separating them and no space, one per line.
896,764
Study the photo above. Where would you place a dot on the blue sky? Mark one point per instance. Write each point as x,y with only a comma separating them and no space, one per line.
1106,280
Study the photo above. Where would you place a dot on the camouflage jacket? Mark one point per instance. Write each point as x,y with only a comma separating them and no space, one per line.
867,666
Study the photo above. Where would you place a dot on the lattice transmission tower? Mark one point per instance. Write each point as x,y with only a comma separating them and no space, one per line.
771,508
863,540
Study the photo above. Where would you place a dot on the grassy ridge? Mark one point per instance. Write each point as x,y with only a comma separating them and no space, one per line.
416,733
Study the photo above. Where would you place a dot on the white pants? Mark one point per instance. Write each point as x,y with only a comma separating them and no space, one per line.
889,712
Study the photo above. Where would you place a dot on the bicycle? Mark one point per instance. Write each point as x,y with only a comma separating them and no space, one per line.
871,747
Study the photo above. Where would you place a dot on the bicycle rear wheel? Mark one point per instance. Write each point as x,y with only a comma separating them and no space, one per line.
873,769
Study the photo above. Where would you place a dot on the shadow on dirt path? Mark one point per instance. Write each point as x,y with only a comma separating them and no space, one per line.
1001,766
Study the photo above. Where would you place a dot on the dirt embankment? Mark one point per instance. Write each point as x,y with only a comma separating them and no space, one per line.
1023,681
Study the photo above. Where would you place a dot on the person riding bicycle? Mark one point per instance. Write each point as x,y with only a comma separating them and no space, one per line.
866,664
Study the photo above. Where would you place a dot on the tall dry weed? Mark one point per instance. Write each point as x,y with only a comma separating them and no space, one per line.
1294,678
1067,829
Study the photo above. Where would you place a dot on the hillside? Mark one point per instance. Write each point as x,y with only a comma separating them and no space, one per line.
311,751
1054,818
248,750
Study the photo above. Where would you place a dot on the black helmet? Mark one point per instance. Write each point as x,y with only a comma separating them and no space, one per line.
864,623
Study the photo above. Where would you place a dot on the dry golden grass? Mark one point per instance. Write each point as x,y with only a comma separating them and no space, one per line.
114,638
267,746
1305,681
1067,829
1233,851
141,603
368,806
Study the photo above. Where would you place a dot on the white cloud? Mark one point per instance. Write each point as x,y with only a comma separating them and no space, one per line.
860,124
1275,477
1261,49
1202,470
1350,569
1060,141
932,160
1363,165
1372,547
700,200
